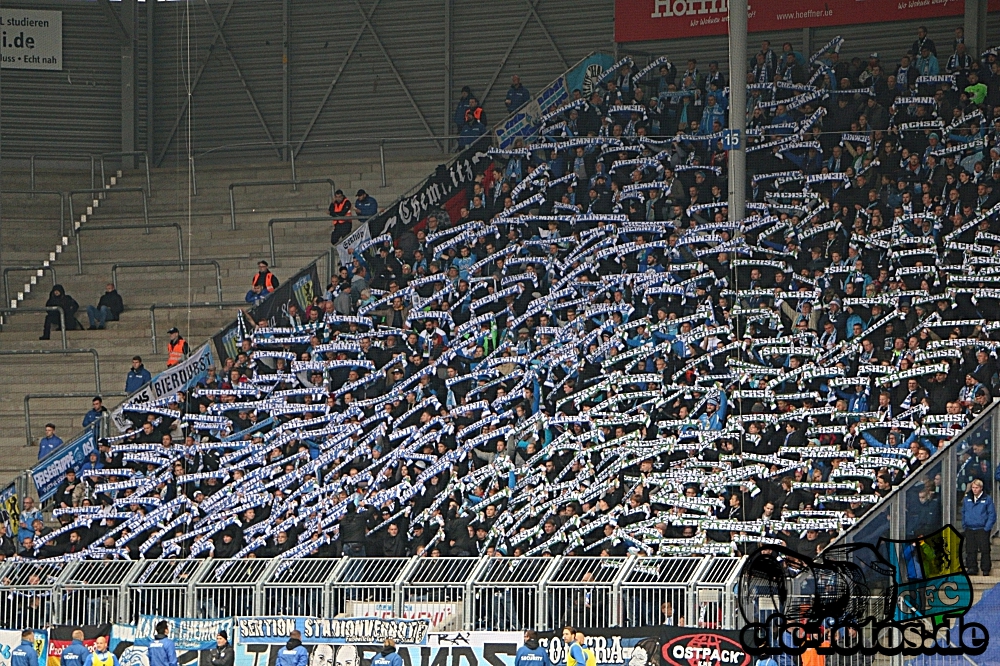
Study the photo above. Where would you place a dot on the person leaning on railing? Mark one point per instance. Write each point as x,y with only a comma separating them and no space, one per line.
340,210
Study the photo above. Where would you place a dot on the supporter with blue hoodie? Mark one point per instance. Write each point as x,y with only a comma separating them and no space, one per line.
388,655
531,654
76,653
293,654
161,650
24,654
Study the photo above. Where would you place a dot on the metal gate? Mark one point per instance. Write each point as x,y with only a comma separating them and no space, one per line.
435,588
92,592
656,591
367,587
229,588
299,587
505,595
29,589
585,592
163,587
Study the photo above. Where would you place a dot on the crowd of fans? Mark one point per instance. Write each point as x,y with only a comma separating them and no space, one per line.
594,359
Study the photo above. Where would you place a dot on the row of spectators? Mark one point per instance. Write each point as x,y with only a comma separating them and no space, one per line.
595,359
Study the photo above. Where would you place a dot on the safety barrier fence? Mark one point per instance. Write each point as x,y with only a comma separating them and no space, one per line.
117,227
11,204
57,396
460,594
325,219
180,263
256,184
38,272
99,165
127,205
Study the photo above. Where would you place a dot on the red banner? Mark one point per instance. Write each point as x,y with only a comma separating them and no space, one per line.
645,20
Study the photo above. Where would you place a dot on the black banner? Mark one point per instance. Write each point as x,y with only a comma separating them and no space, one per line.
299,289
654,646
437,190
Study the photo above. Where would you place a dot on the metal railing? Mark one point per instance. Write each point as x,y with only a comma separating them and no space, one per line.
35,158
57,193
97,165
180,263
42,308
184,306
38,352
126,155
96,202
54,396
455,593
37,271
290,220
274,183
117,227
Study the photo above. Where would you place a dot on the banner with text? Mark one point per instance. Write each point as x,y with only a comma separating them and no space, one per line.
180,377
260,640
645,20
194,638
10,639
61,635
345,248
446,182
654,646
49,473
32,39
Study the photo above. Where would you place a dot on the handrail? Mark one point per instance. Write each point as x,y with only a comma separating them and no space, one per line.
53,396
288,220
116,227
119,190
46,309
32,352
62,204
914,476
265,183
66,157
38,271
130,153
181,263
181,306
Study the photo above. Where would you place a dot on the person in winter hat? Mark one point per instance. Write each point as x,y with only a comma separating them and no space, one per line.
223,654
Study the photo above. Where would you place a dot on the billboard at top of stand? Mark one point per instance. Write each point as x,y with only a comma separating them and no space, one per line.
649,20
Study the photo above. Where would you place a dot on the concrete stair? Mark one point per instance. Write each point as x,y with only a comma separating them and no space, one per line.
206,234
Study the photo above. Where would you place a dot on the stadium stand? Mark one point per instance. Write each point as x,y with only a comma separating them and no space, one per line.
592,359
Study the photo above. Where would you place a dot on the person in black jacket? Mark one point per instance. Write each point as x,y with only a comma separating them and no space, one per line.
60,299
223,654
353,529
109,308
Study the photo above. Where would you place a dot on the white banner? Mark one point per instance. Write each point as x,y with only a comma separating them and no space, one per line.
178,378
31,39
345,247
442,616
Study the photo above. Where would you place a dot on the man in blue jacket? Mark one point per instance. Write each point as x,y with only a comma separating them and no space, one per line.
517,95
24,654
161,650
531,653
293,654
388,656
979,516
76,653
137,377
